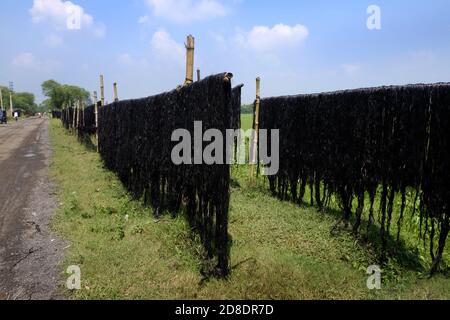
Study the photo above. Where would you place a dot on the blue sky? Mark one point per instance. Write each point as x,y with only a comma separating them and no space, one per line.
295,46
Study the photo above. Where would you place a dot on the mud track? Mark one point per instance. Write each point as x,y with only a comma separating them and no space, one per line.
29,251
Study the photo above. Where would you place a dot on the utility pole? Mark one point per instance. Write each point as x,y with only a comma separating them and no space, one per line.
1,99
11,91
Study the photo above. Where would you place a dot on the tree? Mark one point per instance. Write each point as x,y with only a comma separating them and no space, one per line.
5,95
25,102
61,95
21,100
54,92
247,109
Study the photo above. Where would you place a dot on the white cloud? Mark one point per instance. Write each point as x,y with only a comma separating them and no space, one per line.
64,15
54,40
144,19
166,49
217,37
422,55
26,60
263,38
187,10
351,68
99,30
125,59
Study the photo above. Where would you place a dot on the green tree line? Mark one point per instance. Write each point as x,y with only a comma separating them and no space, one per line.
61,95
247,109
24,101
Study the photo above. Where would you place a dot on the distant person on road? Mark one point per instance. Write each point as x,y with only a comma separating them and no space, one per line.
16,116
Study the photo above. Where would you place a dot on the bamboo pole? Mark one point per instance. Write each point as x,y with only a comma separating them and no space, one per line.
190,47
79,117
116,96
254,156
96,117
102,90
74,116
198,75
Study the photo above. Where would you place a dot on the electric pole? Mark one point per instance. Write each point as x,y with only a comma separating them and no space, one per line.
1,99
11,91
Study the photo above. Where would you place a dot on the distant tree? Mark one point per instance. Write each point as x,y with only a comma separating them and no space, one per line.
5,94
25,101
247,109
21,100
45,106
61,95
53,91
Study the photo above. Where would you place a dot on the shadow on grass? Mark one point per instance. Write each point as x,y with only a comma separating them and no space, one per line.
86,141
369,238
400,252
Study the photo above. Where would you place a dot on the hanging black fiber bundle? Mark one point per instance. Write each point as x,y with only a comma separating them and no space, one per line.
56,114
67,117
353,143
87,121
135,142
236,112
80,119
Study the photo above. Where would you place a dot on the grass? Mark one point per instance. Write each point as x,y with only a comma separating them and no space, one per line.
280,250
247,121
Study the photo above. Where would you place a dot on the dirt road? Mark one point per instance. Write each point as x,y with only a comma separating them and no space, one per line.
29,252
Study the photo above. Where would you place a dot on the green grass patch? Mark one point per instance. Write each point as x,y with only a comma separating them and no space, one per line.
279,251
246,121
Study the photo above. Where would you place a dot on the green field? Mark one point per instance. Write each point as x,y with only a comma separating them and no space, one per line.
280,250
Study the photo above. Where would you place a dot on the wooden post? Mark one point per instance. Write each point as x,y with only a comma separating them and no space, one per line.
79,116
190,47
1,99
96,117
102,90
198,75
116,96
254,156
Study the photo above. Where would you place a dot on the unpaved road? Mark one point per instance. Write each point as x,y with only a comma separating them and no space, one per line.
29,252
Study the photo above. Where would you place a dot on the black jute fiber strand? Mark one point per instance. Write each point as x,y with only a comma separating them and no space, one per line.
353,143
56,114
236,105
135,142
